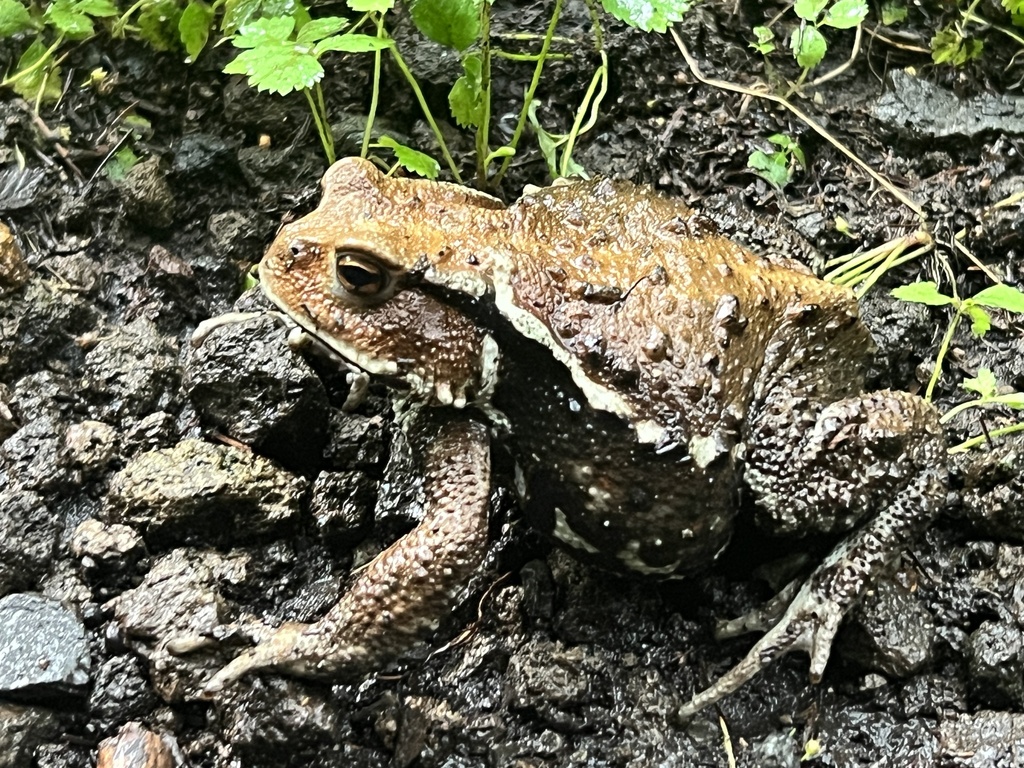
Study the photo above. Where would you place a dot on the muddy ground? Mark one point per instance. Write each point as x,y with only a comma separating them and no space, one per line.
160,492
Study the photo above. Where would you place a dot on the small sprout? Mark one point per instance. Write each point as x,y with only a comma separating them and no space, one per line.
893,12
765,42
950,46
843,227
118,166
812,749
778,167
410,159
808,46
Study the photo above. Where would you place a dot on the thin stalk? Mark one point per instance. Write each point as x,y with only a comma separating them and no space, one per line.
527,57
600,76
325,139
426,112
328,136
966,445
483,131
375,94
118,29
528,98
41,61
941,355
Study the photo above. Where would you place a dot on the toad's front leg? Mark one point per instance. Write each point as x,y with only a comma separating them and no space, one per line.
400,597
878,456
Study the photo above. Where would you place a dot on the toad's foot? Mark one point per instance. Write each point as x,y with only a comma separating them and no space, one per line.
402,594
813,618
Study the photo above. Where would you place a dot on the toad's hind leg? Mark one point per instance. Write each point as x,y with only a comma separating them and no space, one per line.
877,456
401,595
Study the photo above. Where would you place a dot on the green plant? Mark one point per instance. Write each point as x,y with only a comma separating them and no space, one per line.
987,389
955,44
975,308
778,167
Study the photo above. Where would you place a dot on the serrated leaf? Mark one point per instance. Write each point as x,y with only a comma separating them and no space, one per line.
264,32
372,6
158,25
453,23
922,293
1013,6
949,46
466,97
73,18
1000,296
194,27
985,383
278,67
14,18
239,13
808,45
845,14
411,159
893,12
318,29
648,15
42,83
981,322
352,43
809,10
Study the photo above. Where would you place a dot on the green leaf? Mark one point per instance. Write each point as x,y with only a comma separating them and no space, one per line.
809,10
14,18
648,15
893,12
466,98
264,32
922,293
774,168
410,159
808,46
764,43
981,322
1000,296
123,161
949,46
1013,6
985,384
373,6
73,18
1010,399
845,14
43,83
194,27
158,25
318,29
453,23
239,13
352,43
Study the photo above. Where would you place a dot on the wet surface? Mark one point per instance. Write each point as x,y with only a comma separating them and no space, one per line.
548,662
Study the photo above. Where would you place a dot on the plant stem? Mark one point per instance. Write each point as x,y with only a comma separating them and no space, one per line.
528,98
320,118
483,130
375,95
118,27
600,76
966,445
8,81
426,112
941,355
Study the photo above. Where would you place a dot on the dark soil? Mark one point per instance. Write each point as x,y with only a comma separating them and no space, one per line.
126,494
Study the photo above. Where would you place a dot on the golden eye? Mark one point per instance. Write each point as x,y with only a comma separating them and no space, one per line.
361,275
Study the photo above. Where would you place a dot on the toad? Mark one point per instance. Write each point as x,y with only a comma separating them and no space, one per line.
643,369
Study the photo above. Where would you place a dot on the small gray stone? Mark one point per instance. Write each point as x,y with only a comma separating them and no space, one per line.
22,729
28,535
45,652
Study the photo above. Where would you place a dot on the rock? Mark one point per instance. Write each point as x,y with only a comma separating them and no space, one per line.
147,196
91,446
14,271
136,747
342,506
35,457
197,490
982,740
995,659
22,729
120,692
891,631
45,653
28,535
244,379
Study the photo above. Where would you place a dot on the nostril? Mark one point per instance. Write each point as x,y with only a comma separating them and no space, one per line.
295,249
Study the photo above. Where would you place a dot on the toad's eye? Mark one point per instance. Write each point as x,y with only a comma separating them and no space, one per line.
362,275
